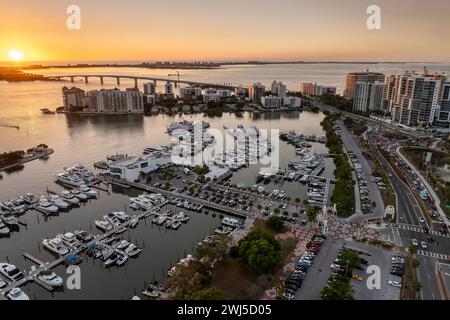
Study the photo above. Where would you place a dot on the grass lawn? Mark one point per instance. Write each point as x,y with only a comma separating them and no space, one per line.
237,282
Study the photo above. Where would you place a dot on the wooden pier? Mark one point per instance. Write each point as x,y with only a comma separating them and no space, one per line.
34,259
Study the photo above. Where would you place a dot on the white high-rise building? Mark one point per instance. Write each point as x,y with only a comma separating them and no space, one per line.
73,97
168,88
415,98
115,101
149,88
368,96
278,89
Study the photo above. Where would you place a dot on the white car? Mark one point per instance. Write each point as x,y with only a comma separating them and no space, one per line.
422,220
424,245
414,242
395,283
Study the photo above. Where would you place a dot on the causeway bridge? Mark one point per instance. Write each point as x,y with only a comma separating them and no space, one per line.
176,82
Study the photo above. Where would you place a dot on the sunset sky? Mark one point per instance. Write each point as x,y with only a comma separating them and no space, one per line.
149,30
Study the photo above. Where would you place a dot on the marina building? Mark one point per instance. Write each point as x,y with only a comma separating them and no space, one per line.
130,168
365,76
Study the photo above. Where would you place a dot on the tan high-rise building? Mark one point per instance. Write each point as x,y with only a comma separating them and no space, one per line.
355,77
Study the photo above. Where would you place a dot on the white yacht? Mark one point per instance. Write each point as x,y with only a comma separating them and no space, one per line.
83,236
29,198
121,216
46,206
19,206
133,250
3,228
3,284
9,207
81,196
122,245
88,191
142,202
112,219
69,239
103,225
17,294
83,172
50,278
56,246
123,257
10,271
70,180
9,219
69,197
59,202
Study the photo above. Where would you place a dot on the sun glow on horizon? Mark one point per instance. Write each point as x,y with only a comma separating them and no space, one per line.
15,55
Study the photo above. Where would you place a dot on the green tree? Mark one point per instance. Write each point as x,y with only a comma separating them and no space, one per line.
193,276
275,224
311,214
338,289
214,250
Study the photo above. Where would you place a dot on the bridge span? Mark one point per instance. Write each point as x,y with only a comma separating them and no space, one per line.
176,82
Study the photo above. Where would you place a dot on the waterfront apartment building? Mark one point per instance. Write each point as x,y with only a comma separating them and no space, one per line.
193,92
313,89
292,102
443,116
168,88
415,97
368,96
355,77
211,97
73,97
272,102
149,88
256,91
278,89
115,101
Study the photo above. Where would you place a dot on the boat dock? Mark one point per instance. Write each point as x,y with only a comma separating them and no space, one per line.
44,266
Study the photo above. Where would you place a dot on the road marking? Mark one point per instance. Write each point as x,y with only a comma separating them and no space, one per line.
410,228
432,255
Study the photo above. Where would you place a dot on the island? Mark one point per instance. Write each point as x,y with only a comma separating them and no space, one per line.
9,160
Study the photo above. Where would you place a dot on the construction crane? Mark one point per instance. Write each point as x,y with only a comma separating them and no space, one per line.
175,75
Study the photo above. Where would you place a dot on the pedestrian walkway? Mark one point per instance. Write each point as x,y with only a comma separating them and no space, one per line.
411,228
396,236
433,255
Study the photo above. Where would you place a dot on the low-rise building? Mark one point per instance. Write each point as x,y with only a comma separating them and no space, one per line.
131,168
292,102
271,102
211,97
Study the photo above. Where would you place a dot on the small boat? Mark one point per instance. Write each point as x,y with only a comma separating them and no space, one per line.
151,293
106,253
112,259
4,230
59,202
123,258
3,284
46,206
176,224
17,294
88,191
133,250
50,278
134,222
11,272
69,197
134,206
122,245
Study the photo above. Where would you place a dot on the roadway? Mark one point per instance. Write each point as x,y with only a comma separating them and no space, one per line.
410,227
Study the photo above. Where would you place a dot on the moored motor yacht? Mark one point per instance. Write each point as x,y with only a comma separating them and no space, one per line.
3,228
133,250
122,245
55,245
3,284
122,258
69,239
77,193
69,197
9,219
50,278
112,259
59,202
69,179
104,225
29,198
19,206
9,207
121,216
17,294
10,271
46,206
88,191
83,236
